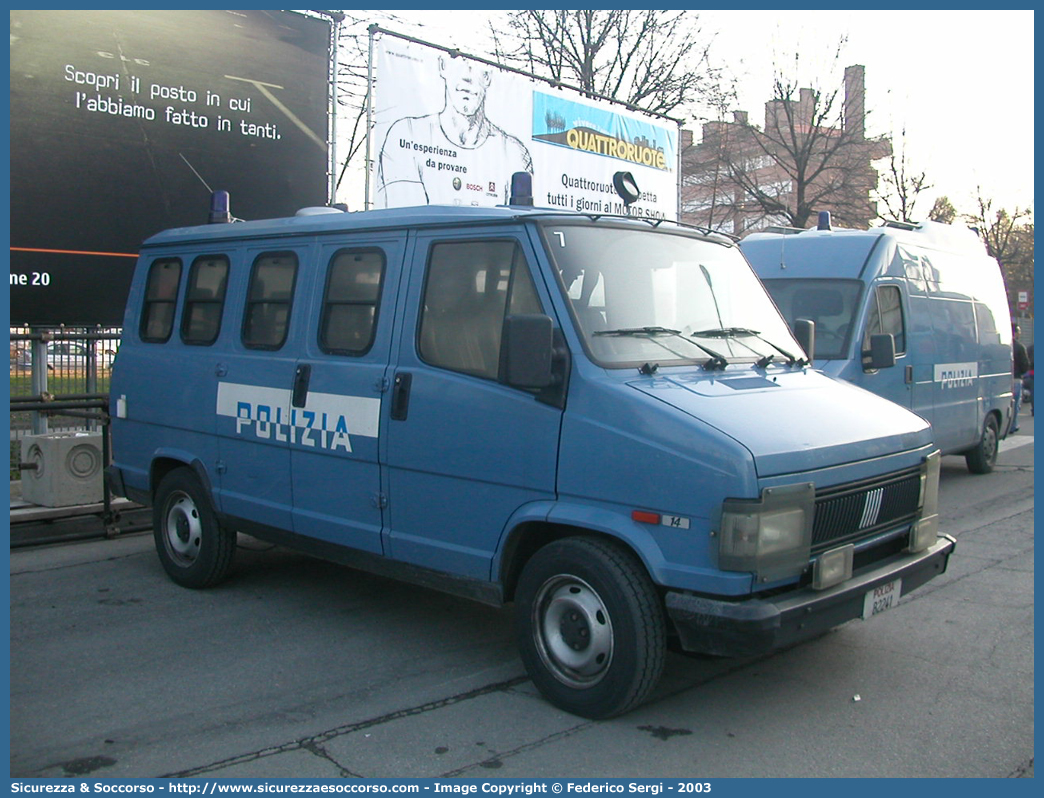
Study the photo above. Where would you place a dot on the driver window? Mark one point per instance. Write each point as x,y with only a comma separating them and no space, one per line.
471,286
886,316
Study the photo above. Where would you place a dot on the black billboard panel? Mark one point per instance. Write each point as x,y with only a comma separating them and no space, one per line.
123,122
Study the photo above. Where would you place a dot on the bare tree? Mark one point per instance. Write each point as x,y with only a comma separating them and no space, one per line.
1009,238
901,185
352,89
812,154
997,227
822,151
651,60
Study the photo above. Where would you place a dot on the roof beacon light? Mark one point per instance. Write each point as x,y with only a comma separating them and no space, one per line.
219,211
824,220
521,189
626,187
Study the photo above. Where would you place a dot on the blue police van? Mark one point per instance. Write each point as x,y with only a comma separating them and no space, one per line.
601,419
916,313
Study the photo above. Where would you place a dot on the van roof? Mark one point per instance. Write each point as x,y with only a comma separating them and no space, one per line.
312,221
843,253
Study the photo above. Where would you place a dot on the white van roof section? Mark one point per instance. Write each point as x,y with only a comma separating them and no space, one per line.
843,252
936,235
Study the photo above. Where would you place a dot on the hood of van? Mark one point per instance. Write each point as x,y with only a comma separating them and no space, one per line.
792,421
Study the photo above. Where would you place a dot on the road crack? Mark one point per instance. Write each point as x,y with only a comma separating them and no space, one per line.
314,743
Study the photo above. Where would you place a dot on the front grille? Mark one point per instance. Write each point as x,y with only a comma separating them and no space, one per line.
848,513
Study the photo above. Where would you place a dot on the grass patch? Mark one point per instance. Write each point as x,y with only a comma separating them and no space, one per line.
58,384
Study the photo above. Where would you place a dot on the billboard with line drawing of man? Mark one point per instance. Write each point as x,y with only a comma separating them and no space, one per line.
451,130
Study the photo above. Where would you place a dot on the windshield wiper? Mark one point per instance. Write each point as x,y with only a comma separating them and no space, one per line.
716,361
724,332
739,332
639,331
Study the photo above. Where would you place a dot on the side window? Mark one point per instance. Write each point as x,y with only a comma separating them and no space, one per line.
886,316
267,315
353,289
986,325
469,287
954,330
204,300
161,297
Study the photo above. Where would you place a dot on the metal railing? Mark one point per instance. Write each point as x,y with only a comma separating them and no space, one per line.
59,381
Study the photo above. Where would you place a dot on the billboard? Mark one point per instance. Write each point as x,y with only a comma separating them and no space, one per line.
123,122
450,130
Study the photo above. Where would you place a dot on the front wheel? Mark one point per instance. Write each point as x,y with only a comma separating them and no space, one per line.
590,626
983,457
194,548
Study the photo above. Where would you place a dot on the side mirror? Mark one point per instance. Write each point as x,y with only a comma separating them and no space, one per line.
805,332
882,352
526,349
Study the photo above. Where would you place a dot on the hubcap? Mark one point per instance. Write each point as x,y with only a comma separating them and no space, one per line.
183,530
573,631
989,443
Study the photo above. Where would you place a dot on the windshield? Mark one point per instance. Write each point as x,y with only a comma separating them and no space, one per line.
831,304
652,296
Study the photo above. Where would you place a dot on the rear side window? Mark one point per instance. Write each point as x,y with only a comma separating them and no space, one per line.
204,300
470,288
350,301
161,297
267,315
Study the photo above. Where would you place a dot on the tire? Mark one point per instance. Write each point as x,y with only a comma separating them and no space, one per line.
590,627
195,550
983,457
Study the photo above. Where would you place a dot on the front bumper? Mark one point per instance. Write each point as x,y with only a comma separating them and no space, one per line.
748,628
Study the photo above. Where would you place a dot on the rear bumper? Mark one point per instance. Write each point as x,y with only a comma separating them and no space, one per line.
748,628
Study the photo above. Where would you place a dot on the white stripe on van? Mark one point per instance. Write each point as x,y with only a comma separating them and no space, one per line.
328,419
956,375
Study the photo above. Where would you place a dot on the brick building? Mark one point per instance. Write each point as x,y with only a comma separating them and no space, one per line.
741,178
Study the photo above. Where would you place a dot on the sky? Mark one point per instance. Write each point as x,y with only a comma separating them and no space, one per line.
959,82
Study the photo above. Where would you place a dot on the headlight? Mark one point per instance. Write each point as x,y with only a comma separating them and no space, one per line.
925,530
771,536
929,500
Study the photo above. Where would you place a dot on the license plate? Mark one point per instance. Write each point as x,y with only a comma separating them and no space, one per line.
881,598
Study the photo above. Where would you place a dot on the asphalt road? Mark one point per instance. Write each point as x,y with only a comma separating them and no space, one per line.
298,668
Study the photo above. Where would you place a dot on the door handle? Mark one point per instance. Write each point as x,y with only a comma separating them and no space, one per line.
400,406
301,379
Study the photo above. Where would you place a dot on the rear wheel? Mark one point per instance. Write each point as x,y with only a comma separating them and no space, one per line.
591,631
983,457
195,550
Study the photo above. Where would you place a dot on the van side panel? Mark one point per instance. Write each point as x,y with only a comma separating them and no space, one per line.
168,405
253,371
972,330
340,384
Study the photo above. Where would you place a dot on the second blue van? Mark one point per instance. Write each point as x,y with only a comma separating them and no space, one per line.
933,290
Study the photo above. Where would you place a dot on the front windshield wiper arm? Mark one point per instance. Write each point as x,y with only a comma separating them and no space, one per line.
639,331
735,332
716,361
